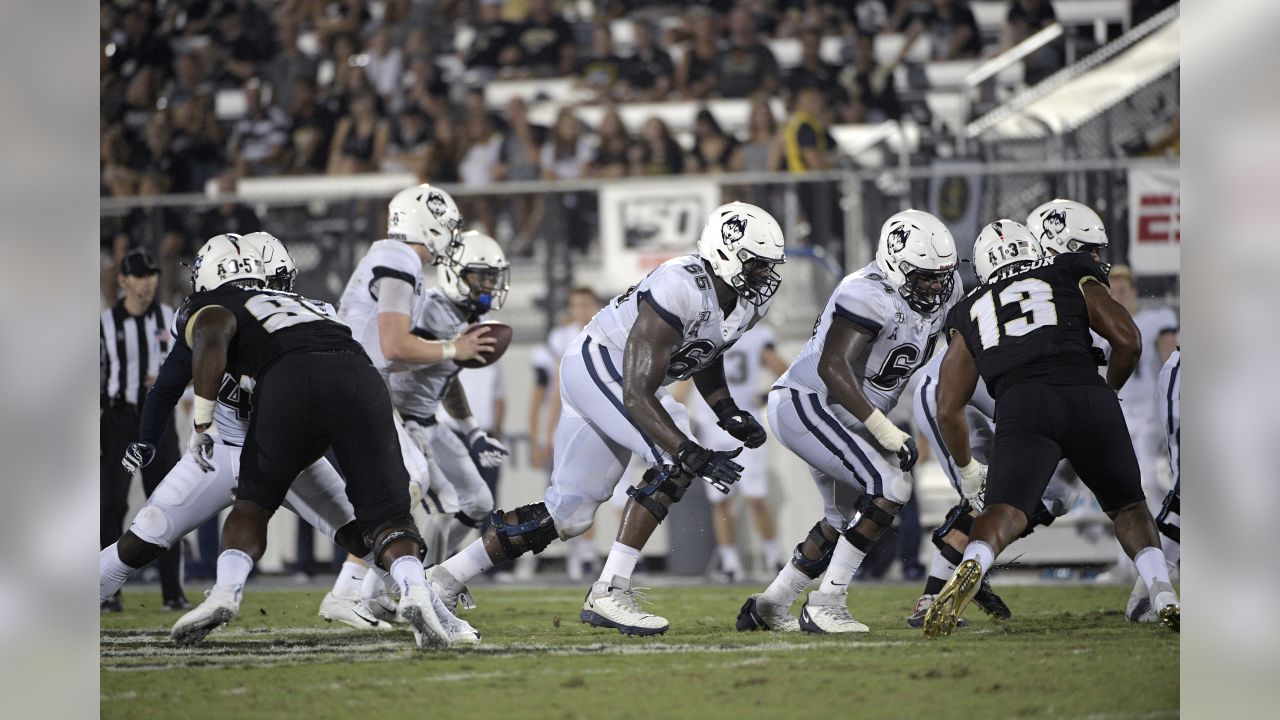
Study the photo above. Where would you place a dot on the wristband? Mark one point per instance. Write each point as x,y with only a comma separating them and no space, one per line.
889,436
468,425
202,413
448,351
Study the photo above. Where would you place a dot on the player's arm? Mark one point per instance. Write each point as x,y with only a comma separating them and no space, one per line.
957,379
772,360
845,342
395,330
209,333
157,408
1110,320
739,423
488,451
542,379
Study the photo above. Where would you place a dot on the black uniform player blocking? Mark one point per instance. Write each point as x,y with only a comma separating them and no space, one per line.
1029,336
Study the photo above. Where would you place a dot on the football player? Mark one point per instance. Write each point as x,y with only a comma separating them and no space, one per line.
314,388
673,325
1169,519
1025,332
878,327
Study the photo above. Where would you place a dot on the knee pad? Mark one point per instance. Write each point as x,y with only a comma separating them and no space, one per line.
666,480
958,519
152,525
1040,517
1172,506
391,531
814,568
532,531
868,513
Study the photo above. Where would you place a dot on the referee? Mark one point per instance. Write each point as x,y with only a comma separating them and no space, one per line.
134,338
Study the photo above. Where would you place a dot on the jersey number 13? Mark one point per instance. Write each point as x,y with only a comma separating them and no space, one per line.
1034,299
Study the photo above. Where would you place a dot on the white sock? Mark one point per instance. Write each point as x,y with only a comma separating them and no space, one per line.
407,571
729,560
771,552
1151,566
371,585
234,567
470,563
620,563
844,563
1172,552
980,551
112,572
787,585
350,580
940,567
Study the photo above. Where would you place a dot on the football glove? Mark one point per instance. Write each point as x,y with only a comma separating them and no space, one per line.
137,456
201,446
489,453
740,424
715,466
973,483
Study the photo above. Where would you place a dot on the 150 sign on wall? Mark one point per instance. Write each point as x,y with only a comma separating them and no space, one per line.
1155,218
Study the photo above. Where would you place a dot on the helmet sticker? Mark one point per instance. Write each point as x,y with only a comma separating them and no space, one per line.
733,229
897,239
1054,223
436,204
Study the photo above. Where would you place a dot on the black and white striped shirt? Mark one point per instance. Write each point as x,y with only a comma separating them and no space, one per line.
132,349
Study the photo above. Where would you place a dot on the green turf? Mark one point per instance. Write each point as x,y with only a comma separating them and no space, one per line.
1068,652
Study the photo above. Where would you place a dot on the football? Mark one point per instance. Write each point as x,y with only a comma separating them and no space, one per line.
500,333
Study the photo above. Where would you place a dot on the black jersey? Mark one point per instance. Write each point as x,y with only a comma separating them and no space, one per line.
1032,325
269,325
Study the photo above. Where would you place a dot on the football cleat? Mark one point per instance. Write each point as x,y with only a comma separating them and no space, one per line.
452,592
460,631
383,606
177,603
944,613
828,614
1139,609
758,613
417,607
221,605
916,620
615,604
1165,601
350,611
990,602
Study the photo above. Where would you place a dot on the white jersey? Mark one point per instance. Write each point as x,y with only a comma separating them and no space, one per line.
1140,395
358,306
981,400
1170,402
742,364
683,294
904,339
561,338
418,393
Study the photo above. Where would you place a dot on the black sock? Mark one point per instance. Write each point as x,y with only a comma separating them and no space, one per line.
933,585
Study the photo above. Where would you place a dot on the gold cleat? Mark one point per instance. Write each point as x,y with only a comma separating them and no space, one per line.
1171,616
952,599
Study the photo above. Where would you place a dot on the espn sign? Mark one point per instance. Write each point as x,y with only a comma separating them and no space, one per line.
1155,219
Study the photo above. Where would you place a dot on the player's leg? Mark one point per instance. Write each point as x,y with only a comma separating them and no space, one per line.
169,563
729,561
186,499
117,427
475,499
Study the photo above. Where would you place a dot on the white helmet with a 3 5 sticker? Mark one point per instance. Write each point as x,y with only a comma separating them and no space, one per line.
224,259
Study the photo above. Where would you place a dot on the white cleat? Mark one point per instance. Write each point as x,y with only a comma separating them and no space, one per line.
828,614
417,607
460,631
1165,602
615,604
1139,609
221,605
383,606
452,592
759,613
350,611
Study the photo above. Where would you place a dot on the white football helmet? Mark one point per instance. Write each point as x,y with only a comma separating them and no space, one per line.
276,262
743,243
1002,244
1064,226
424,215
477,275
226,258
917,255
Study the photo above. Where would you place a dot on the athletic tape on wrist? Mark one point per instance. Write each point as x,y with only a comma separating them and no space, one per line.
202,411
449,350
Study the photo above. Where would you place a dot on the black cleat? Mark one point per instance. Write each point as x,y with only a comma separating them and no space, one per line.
112,604
177,603
991,604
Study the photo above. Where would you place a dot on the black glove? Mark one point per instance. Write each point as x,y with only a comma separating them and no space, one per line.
908,455
137,456
1099,357
716,466
740,424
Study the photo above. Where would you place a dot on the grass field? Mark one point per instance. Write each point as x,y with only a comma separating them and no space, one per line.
1066,653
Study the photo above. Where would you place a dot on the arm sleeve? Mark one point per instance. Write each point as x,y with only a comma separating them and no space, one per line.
157,408
862,304
394,293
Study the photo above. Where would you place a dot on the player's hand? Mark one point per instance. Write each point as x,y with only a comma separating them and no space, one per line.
488,451
472,345
893,439
908,454
137,456
744,427
716,466
201,446
973,483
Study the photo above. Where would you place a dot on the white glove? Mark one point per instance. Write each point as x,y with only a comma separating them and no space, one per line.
889,436
488,452
200,445
973,483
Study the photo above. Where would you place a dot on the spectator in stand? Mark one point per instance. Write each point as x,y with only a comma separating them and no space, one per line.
952,29
227,216
611,150
188,78
332,75
410,137
493,45
566,156
695,76
812,70
243,38
360,140
311,131
808,146
602,68
258,139
385,66
1026,18
444,153
664,156
545,41
288,66
160,156
713,148
747,67
135,46
480,167
197,138
762,152
870,94
869,17
647,74
428,91
521,146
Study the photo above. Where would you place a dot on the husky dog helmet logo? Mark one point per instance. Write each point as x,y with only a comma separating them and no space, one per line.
1054,222
898,238
733,229
436,204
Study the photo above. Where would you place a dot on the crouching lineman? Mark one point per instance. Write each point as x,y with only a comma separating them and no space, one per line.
1169,520
198,488
673,325
314,389
1025,331
829,408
